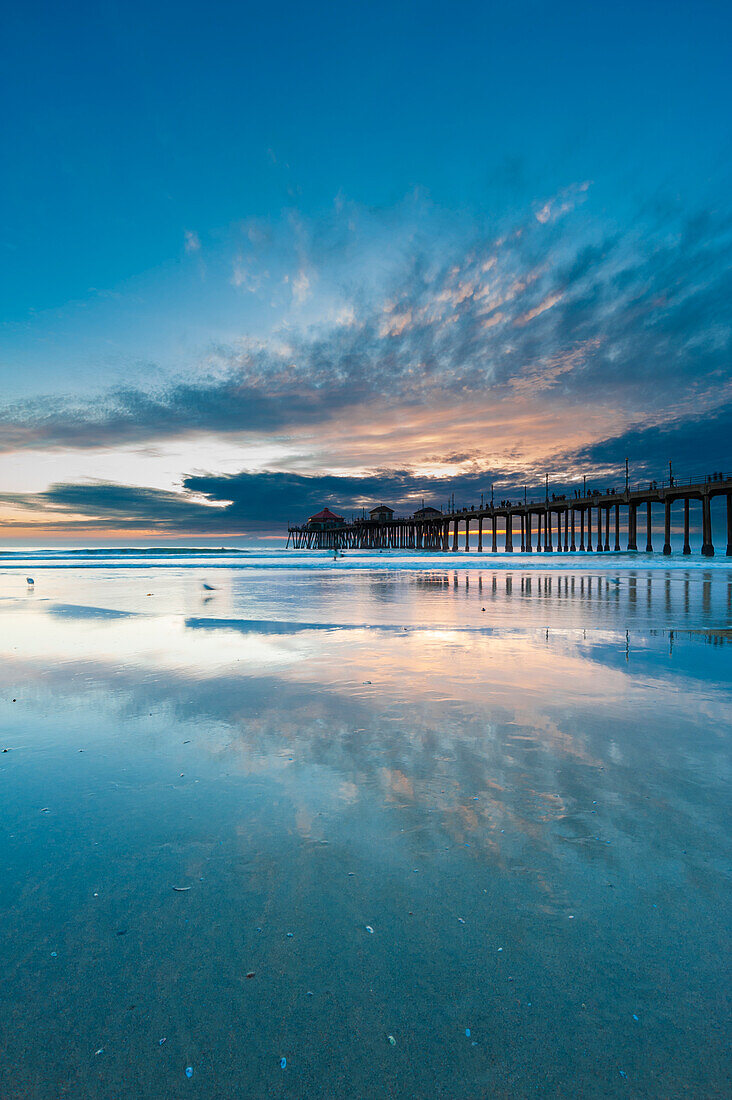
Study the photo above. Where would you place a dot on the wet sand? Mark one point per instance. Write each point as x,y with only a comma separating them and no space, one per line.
517,778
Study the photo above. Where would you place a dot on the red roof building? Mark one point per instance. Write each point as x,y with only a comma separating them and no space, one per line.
326,516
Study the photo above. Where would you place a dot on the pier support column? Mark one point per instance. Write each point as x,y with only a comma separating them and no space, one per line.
455,534
707,545
582,528
480,535
494,540
566,530
687,544
523,533
572,546
509,533
607,528
649,533
467,534
528,532
667,528
589,528
632,527
729,525
548,548
600,547
617,526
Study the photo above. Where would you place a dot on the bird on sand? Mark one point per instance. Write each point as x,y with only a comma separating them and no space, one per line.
208,587
29,580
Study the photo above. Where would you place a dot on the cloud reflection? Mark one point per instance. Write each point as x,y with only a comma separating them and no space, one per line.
483,734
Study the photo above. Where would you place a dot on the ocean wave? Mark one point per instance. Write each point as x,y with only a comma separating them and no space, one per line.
190,557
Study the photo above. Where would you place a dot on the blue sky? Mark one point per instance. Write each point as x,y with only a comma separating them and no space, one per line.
226,229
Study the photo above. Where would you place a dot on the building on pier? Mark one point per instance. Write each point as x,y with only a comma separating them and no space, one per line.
324,521
381,512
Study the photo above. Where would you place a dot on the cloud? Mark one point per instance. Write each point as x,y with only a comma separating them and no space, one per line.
265,502
695,446
232,505
301,287
536,345
562,203
191,241
243,276
542,307
102,505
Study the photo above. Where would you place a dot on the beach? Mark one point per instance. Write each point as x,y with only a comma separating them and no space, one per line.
387,826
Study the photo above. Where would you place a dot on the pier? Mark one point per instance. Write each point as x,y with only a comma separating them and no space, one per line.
586,521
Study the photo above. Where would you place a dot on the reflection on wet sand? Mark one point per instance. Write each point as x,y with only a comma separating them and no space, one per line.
519,781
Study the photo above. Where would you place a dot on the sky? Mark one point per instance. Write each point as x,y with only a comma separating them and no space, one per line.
258,259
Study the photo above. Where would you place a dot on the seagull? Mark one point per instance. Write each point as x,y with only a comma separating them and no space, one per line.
208,587
29,580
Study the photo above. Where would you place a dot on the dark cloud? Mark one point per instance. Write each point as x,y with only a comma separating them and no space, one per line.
695,447
238,504
266,502
101,506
